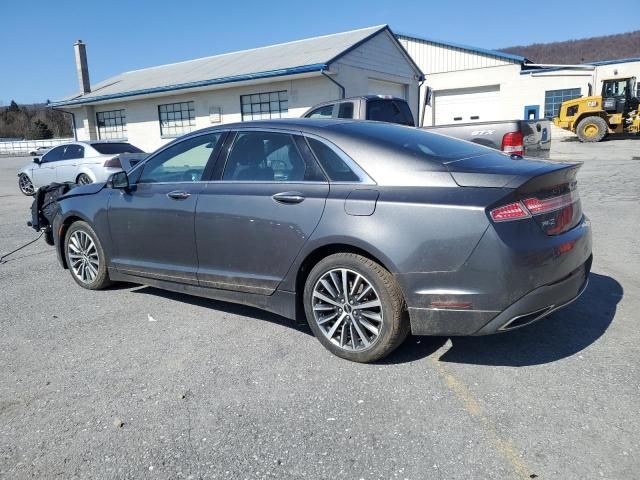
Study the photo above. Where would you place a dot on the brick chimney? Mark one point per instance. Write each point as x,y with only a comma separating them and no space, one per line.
81,66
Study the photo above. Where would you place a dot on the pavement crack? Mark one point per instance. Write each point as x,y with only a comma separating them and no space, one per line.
504,446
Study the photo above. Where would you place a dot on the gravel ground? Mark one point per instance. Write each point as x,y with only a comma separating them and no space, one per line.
137,383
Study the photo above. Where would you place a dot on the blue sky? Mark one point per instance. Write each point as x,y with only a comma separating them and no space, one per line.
36,36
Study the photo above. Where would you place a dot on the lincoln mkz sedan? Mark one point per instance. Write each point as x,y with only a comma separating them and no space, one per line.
367,230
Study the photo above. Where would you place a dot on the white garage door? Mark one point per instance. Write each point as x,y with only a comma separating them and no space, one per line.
380,87
466,105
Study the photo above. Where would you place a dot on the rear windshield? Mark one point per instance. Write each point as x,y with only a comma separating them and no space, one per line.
115,148
414,141
386,110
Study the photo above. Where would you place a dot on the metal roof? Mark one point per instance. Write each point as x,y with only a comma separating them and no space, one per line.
301,56
481,51
578,66
613,62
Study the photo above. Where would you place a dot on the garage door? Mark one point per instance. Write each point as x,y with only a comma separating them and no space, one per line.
465,105
380,87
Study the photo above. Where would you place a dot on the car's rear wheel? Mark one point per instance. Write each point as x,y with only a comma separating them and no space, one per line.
85,257
355,307
26,185
84,179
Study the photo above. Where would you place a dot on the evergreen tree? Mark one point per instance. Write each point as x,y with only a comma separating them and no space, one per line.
13,107
40,131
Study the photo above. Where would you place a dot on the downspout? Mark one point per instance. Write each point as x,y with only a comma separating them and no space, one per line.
421,117
341,87
73,121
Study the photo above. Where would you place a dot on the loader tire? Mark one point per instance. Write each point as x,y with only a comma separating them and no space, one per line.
592,129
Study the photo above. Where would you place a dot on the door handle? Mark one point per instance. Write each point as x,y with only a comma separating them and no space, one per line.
289,198
178,195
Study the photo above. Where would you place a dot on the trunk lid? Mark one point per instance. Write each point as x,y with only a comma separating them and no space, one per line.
552,199
543,190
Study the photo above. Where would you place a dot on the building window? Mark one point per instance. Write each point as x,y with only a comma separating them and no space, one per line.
264,106
112,125
176,118
554,98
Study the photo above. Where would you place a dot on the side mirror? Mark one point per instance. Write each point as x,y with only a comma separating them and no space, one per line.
36,160
118,180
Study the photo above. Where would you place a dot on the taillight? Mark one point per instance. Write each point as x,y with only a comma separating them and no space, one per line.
512,211
513,143
554,214
538,207
113,163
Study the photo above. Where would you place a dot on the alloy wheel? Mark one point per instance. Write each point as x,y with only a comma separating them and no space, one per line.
25,185
83,257
84,179
347,309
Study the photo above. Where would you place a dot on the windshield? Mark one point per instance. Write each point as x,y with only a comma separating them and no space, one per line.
115,148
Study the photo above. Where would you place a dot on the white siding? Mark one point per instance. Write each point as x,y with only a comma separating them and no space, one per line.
143,124
628,69
432,57
380,87
378,59
380,54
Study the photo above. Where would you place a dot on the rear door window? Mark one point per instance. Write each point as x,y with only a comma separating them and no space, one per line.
333,165
345,110
73,152
325,111
386,110
265,157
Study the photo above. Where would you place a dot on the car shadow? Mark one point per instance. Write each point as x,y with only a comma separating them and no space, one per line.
560,335
227,307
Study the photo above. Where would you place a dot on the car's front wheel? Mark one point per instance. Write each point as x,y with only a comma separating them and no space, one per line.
85,257
355,307
26,185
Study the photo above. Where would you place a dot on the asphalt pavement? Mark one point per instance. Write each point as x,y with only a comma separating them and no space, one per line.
134,382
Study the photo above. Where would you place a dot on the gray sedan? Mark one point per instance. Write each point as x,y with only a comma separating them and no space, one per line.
367,231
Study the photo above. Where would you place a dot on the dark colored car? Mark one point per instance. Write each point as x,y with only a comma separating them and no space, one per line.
381,108
369,230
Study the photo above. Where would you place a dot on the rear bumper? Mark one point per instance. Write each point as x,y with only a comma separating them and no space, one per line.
533,306
510,280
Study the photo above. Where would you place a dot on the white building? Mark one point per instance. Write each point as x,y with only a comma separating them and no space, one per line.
150,106
466,84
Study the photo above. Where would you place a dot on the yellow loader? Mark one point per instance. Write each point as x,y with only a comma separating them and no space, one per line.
593,118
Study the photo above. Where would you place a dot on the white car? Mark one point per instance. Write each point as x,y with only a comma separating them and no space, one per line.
39,151
79,162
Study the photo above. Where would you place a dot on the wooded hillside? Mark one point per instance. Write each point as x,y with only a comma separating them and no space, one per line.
34,121
609,47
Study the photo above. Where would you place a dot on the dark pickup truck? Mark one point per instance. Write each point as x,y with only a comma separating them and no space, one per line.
520,137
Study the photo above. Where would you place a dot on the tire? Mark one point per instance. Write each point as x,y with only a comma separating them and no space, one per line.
592,129
83,179
26,185
354,337
87,265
